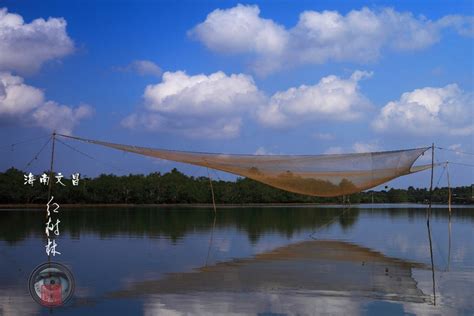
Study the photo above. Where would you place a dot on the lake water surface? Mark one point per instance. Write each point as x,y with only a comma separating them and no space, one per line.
310,260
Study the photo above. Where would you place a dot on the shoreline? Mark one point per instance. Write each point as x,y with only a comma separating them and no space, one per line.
209,205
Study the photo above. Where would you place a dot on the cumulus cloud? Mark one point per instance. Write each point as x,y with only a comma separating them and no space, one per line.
141,67
216,105
16,97
210,106
62,118
428,111
331,98
27,104
24,47
240,30
318,37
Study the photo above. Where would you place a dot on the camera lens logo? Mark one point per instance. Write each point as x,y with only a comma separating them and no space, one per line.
51,284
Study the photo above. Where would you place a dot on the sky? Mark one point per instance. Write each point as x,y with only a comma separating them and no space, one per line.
262,77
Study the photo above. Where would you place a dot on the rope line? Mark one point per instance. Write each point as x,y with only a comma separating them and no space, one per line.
93,158
24,142
437,244
35,157
460,163
332,220
442,173
456,151
75,149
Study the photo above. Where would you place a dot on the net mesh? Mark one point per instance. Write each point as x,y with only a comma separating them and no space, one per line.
315,175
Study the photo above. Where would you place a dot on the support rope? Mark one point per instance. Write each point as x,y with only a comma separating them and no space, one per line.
93,158
455,151
12,146
35,157
332,220
461,164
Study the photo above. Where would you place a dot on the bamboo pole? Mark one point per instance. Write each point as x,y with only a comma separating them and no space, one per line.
449,191
50,184
215,216
449,218
212,191
428,225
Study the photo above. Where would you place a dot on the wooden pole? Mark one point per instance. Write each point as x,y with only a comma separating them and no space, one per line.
212,192
449,220
431,181
449,190
215,213
211,239
428,225
50,184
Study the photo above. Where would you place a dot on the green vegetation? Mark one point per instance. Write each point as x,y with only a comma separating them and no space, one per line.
174,222
175,187
178,221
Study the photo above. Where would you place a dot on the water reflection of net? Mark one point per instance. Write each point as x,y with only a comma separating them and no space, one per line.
331,268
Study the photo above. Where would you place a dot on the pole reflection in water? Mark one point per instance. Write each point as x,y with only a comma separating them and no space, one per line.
150,260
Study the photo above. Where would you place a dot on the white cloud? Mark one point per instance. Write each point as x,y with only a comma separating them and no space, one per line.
24,103
263,151
459,150
278,302
216,105
141,67
209,106
358,36
464,25
428,111
24,47
361,147
455,147
16,97
239,30
62,118
332,98
357,147
201,94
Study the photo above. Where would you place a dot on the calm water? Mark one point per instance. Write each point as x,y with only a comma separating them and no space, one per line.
248,261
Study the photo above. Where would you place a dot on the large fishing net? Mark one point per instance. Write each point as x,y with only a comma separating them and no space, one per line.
316,175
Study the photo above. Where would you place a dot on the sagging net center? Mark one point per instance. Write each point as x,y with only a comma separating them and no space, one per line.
315,175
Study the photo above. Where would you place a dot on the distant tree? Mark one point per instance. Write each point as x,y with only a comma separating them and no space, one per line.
176,187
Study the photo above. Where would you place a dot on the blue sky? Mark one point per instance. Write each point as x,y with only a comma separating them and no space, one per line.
255,77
